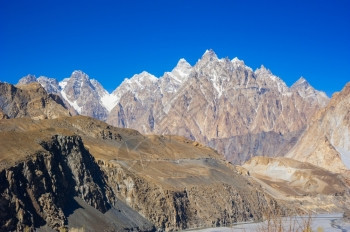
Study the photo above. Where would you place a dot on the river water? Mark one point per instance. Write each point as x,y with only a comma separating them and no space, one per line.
319,223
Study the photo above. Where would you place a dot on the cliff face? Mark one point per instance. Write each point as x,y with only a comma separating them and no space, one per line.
40,190
325,143
30,101
224,104
190,201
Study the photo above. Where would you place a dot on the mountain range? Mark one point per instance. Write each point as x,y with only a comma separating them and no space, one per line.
219,102
60,170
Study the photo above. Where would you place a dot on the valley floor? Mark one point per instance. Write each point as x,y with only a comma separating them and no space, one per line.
320,222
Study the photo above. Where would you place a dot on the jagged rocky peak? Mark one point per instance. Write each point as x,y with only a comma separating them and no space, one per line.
79,75
268,79
305,90
182,64
102,93
27,79
84,95
30,100
182,70
142,79
51,85
238,63
301,83
263,71
210,54
144,76
208,57
78,80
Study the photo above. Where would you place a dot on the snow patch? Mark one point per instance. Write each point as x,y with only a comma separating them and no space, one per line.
63,83
215,80
73,104
109,101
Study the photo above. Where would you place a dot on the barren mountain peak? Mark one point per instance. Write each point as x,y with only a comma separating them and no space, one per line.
27,79
181,71
263,70
209,54
236,60
182,61
239,63
75,72
182,64
301,82
144,75
326,141
78,74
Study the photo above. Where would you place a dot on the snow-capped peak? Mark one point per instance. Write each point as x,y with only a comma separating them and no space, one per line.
266,77
239,63
182,64
262,71
142,77
27,79
208,58
303,87
181,71
80,75
236,60
78,72
301,82
210,54
305,90
50,84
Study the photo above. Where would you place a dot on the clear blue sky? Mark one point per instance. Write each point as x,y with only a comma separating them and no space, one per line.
112,40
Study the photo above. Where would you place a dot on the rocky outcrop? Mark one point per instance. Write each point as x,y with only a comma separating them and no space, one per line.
84,94
173,182
198,204
221,102
326,142
30,101
42,189
3,115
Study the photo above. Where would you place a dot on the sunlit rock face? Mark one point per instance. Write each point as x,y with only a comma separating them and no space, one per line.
326,142
221,103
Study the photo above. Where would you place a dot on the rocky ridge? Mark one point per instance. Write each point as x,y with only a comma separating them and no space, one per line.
29,101
326,142
219,102
45,188
172,181
222,102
